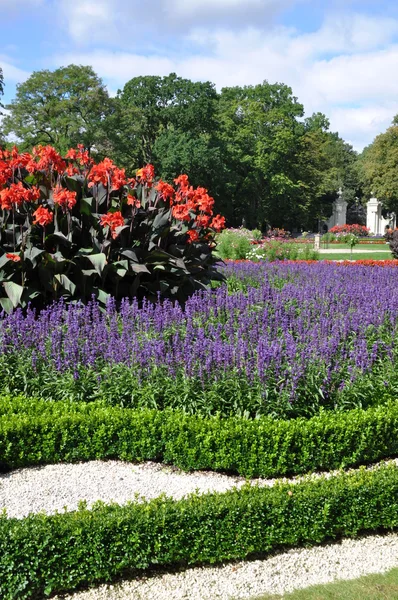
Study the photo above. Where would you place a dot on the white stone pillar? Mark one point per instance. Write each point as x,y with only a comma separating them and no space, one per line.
373,214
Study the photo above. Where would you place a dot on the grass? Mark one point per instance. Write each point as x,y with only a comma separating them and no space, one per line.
371,587
355,256
364,247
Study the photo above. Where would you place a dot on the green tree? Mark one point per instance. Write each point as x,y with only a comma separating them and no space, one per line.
199,156
324,163
62,108
378,168
151,106
259,128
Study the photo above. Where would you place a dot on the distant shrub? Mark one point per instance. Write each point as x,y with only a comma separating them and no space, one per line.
233,244
274,250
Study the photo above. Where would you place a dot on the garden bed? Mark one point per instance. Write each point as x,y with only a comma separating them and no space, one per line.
287,369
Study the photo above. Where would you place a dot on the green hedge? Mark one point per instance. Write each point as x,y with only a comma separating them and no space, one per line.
43,554
34,432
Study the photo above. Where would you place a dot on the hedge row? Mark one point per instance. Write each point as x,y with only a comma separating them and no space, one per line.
43,554
34,432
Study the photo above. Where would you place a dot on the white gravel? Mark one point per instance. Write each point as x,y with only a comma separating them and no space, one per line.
60,487
57,488
279,574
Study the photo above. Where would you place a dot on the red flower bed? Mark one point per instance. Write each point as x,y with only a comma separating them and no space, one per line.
359,230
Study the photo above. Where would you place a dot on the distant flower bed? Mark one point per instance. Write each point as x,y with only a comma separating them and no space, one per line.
358,230
278,233
285,240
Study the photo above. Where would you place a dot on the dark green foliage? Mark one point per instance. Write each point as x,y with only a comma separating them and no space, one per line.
43,554
35,432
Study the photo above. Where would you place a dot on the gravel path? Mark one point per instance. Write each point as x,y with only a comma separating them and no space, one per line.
278,574
60,487
51,488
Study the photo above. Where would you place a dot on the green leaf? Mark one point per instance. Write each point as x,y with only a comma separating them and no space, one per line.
6,305
86,206
32,254
74,183
14,292
59,238
102,296
130,254
161,219
139,268
66,283
98,261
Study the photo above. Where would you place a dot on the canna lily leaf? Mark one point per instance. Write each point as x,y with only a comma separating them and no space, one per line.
14,292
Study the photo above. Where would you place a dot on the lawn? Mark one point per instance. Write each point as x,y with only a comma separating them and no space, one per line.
355,255
371,587
364,247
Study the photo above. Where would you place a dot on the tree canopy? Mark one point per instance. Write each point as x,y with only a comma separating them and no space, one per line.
378,167
62,108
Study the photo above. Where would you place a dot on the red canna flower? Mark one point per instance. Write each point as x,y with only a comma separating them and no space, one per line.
181,212
146,174
107,173
193,235
13,257
80,156
165,190
64,198
45,158
43,216
113,221
218,223
182,181
133,201
16,194
203,221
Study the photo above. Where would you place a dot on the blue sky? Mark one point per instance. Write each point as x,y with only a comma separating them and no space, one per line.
339,56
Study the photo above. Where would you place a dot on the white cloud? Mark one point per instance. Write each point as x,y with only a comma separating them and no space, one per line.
88,18
11,72
359,126
131,22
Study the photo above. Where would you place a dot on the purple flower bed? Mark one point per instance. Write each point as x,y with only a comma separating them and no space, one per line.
280,339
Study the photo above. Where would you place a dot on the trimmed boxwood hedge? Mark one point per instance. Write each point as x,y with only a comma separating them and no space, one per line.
35,432
43,554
